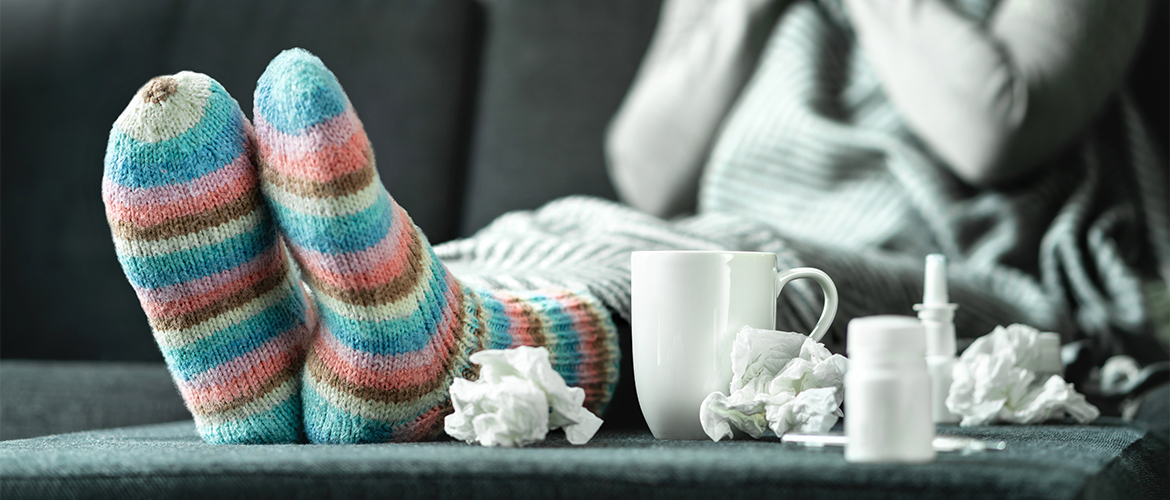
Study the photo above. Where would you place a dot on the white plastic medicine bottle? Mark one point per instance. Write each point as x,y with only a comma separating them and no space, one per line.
887,391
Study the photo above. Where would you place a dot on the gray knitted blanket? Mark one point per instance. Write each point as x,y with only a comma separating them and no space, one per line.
815,164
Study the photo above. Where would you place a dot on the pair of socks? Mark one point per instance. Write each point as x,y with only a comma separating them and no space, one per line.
291,297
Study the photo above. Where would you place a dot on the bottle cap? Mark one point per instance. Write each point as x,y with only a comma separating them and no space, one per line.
887,334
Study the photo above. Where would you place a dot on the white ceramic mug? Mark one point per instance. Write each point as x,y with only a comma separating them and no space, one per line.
687,307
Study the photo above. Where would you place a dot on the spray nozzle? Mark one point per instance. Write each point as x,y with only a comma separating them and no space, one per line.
936,311
935,289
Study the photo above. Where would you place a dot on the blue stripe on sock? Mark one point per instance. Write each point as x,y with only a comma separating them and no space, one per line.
297,91
393,335
179,267
564,347
279,424
188,361
339,234
217,140
498,322
328,424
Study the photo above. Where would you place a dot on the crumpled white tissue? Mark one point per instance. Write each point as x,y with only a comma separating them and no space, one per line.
509,405
781,381
995,381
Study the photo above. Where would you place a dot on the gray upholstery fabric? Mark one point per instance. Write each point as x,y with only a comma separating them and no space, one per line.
553,75
39,398
1154,410
69,68
169,461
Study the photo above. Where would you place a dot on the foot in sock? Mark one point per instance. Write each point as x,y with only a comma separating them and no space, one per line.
198,245
396,327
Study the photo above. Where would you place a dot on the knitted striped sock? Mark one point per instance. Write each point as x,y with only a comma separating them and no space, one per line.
396,327
199,247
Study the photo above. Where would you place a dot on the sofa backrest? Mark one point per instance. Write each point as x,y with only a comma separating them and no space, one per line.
554,73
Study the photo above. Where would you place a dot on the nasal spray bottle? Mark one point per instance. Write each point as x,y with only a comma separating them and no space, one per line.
938,318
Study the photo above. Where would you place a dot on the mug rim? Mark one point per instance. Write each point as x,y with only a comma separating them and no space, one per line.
702,256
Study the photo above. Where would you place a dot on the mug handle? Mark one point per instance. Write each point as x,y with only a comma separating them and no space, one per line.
819,276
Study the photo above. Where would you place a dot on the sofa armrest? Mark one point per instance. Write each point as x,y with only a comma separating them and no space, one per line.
39,398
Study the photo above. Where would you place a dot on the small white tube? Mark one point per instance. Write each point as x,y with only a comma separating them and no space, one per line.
937,316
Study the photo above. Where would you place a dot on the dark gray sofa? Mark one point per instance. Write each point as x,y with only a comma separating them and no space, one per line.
474,109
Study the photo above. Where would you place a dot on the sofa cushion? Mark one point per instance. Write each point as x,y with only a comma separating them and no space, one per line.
39,398
168,461
70,67
553,75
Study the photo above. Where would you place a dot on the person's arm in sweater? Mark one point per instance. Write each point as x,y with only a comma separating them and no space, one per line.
702,54
997,101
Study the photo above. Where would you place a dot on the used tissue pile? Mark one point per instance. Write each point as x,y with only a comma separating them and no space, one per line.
780,380
510,403
1002,378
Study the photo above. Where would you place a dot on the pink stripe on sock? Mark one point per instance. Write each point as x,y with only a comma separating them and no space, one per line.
586,330
185,297
335,131
156,204
577,310
322,163
392,371
246,372
519,328
374,266
149,215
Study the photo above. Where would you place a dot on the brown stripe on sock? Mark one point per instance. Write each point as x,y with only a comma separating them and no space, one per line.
602,346
471,371
603,363
392,291
273,382
595,396
398,395
459,323
535,323
193,223
265,285
342,186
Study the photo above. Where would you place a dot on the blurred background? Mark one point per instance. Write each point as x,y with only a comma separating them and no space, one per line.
474,109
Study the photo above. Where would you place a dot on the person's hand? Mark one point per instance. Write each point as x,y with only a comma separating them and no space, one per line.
702,53
999,100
